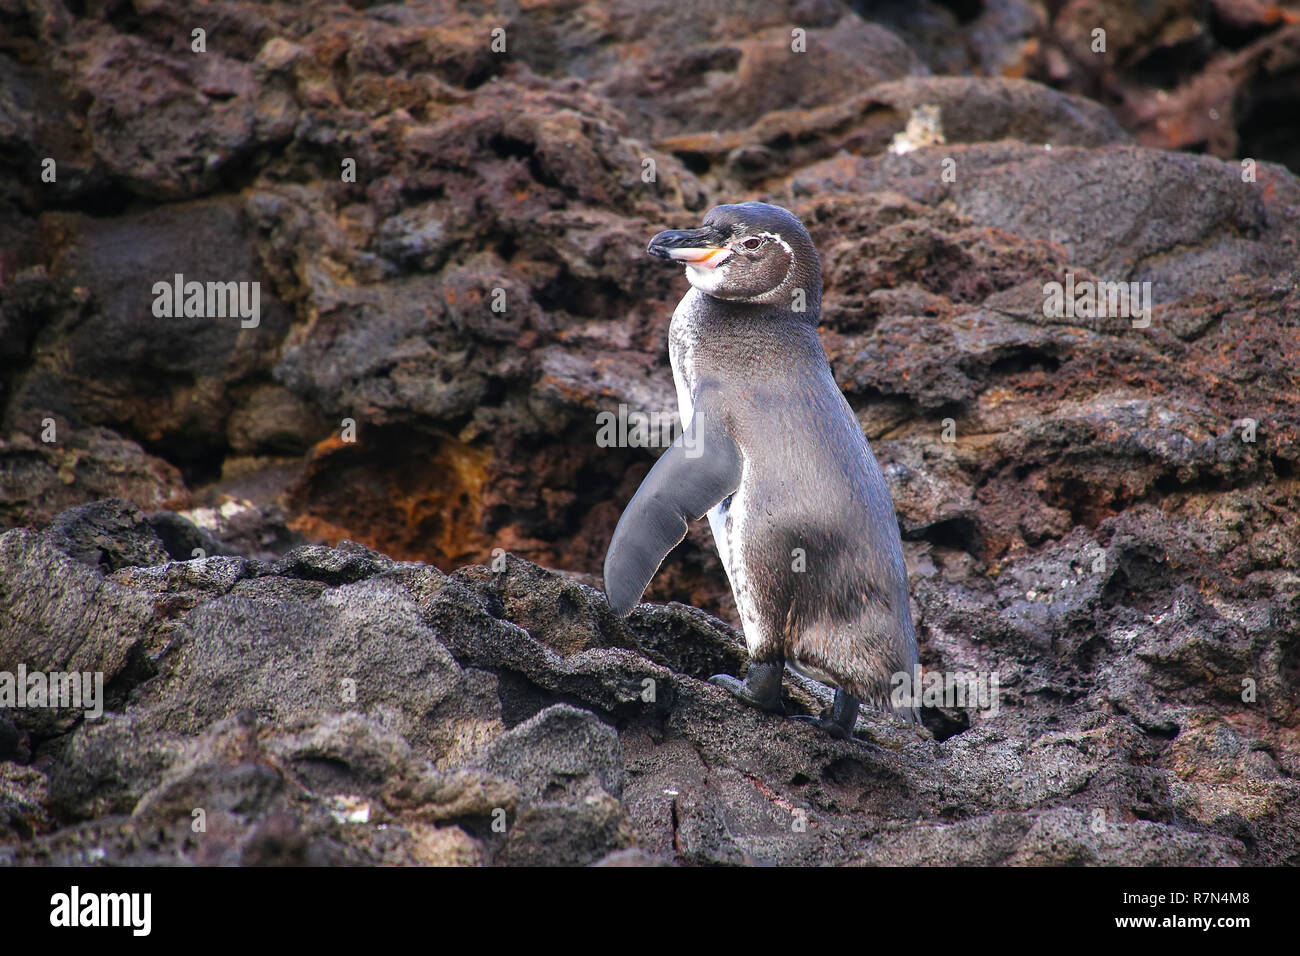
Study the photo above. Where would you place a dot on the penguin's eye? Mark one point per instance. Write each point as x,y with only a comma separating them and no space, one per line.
753,242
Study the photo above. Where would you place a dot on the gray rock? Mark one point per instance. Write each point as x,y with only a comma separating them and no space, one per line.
107,535
58,615
107,766
183,538
357,647
984,109
565,834
561,755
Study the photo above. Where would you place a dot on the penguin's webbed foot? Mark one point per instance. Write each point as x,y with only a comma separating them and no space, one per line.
838,731
761,687
839,720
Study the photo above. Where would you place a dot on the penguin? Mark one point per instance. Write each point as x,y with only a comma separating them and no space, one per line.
772,453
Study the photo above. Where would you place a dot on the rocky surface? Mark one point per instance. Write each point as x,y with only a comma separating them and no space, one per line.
336,706
1104,514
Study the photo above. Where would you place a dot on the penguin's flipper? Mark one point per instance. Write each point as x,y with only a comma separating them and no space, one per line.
698,470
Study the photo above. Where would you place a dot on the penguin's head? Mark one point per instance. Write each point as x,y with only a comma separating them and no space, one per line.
747,252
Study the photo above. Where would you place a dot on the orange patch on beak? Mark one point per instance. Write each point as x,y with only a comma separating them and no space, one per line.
700,257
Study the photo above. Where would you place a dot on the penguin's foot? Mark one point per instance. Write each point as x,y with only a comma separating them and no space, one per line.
839,720
761,687
838,731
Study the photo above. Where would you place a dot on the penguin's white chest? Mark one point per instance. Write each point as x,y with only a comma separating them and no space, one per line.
725,518
683,337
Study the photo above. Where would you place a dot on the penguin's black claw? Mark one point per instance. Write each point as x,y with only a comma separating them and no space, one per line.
836,730
756,690
843,717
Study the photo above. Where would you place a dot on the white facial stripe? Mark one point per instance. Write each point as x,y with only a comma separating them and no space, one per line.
775,238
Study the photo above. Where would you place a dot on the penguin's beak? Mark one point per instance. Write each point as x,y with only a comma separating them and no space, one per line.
702,248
